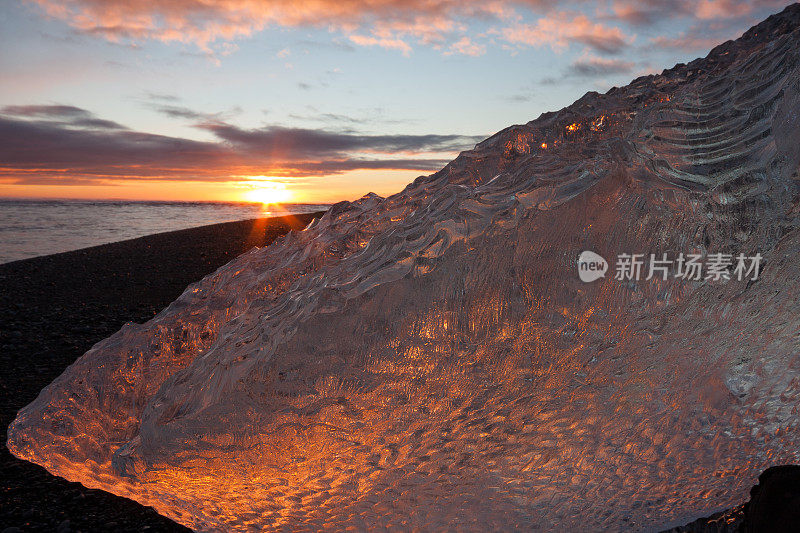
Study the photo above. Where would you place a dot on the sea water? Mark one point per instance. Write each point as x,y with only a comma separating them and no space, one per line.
31,228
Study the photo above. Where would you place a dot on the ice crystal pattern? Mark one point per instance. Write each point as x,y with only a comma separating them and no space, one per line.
431,360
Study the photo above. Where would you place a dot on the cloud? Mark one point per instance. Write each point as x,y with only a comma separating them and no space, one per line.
722,9
327,167
648,13
653,12
45,111
381,22
391,24
60,115
518,98
714,23
363,117
560,29
330,117
338,44
294,143
589,67
54,151
174,111
450,26
466,47
161,97
383,42
687,41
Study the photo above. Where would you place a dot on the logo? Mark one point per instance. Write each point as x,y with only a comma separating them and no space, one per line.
591,266
713,267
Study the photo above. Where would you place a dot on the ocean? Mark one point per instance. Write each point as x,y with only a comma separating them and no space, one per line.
31,228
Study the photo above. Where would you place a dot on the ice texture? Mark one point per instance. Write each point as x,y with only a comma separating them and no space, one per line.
432,361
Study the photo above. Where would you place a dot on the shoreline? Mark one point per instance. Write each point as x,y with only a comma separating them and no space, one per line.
53,308
30,229
253,238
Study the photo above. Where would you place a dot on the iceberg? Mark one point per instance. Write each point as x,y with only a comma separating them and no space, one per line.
432,360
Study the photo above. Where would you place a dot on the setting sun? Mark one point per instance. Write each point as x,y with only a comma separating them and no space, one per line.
268,193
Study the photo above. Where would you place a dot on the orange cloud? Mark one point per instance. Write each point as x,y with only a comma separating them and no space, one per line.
392,24
647,13
558,30
466,47
395,24
383,42
203,23
722,9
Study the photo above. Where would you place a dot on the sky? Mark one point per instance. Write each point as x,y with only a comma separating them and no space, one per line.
310,102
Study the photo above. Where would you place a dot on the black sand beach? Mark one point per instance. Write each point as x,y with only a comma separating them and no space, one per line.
54,308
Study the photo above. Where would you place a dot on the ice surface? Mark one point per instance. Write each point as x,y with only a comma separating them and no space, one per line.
432,360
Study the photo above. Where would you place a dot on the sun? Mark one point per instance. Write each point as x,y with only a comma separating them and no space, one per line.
268,193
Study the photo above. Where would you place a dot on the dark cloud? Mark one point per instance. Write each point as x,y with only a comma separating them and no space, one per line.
701,37
655,12
339,118
62,115
161,97
96,123
45,111
606,44
183,112
174,111
651,12
32,144
590,67
341,122
55,151
518,98
300,142
596,67
333,166
334,118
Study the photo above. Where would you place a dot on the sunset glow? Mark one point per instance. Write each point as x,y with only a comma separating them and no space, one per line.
188,101
268,194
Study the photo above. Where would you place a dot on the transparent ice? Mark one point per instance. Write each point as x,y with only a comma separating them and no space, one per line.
431,360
